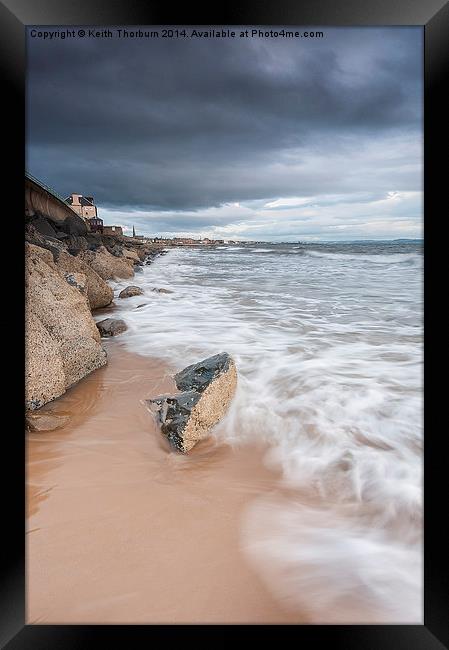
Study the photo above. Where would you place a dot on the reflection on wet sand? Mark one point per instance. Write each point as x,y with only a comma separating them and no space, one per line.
121,529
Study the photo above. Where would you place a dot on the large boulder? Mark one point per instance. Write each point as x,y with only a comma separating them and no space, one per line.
106,265
141,253
99,293
44,226
52,244
111,326
74,225
130,291
117,250
207,389
74,243
94,240
62,343
44,368
131,254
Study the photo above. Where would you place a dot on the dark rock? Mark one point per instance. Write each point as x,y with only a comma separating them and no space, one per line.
32,236
174,413
161,290
130,291
94,240
111,327
207,390
75,242
117,250
44,226
199,375
74,225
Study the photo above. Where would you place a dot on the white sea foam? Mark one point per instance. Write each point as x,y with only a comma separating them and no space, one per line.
330,374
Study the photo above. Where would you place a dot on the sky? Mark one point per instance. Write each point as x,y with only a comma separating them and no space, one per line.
264,139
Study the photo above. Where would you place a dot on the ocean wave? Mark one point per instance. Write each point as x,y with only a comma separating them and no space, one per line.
337,569
330,376
393,258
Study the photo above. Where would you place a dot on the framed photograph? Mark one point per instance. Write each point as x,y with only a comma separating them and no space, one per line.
223,323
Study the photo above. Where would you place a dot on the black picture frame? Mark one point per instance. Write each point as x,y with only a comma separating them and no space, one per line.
15,16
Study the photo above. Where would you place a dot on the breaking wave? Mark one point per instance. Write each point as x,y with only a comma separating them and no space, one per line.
330,376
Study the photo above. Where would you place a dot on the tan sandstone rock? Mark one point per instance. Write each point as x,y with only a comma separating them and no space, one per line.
62,340
99,293
108,266
131,254
44,370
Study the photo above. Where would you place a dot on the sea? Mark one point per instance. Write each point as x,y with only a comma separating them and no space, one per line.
328,343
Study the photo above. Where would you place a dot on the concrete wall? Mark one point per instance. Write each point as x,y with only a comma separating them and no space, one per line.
38,200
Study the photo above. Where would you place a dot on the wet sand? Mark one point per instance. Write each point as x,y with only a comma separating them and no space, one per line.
120,529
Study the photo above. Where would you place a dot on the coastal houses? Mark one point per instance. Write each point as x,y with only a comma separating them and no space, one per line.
187,241
86,208
84,205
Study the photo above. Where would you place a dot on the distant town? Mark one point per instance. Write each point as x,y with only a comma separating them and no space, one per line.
86,208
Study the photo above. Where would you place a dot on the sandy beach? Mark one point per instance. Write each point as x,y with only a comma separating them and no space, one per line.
120,529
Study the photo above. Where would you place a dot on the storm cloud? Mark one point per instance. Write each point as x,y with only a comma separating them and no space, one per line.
248,138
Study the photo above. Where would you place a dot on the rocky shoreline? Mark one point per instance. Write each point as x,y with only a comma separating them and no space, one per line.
67,271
